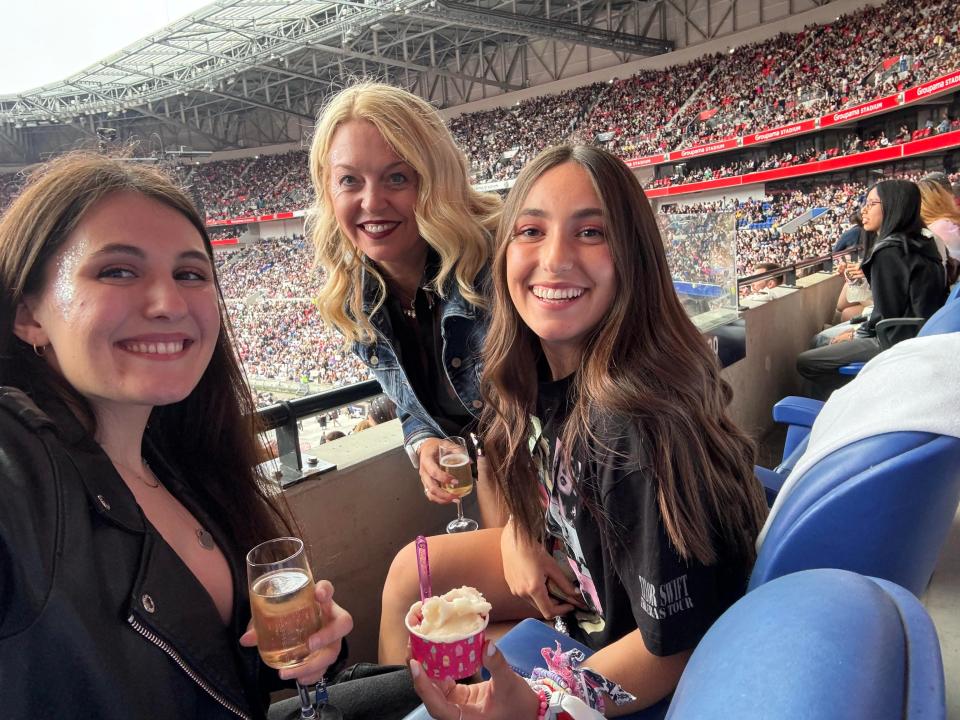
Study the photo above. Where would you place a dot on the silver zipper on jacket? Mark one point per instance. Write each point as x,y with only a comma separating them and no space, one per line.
175,656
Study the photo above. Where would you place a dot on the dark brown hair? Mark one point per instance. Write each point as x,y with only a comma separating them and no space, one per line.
211,435
645,364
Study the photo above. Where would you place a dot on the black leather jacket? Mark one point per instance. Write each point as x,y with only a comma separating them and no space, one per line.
99,618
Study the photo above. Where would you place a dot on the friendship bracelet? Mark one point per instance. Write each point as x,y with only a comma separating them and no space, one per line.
561,705
563,674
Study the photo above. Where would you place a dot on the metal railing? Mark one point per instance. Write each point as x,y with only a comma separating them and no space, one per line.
790,273
283,417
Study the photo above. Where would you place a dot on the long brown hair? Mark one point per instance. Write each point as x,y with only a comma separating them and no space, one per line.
211,435
452,217
645,364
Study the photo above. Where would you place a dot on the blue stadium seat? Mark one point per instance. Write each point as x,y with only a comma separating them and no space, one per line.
881,506
798,414
817,644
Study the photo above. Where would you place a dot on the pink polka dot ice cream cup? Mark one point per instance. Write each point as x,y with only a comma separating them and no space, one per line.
457,658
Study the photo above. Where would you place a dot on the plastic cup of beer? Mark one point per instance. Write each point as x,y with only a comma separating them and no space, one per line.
282,601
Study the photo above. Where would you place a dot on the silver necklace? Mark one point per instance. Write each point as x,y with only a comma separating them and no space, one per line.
204,538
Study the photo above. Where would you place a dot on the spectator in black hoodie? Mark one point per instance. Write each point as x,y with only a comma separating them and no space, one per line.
906,274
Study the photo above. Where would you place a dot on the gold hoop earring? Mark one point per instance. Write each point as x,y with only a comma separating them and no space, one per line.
39,351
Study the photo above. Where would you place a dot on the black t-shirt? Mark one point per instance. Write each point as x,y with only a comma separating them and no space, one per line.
628,572
419,348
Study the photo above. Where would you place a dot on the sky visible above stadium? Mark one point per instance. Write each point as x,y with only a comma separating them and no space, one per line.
48,40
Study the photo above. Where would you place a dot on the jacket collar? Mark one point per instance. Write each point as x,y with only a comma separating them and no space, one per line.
109,495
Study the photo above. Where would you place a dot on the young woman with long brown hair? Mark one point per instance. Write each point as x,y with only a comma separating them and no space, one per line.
129,463
634,508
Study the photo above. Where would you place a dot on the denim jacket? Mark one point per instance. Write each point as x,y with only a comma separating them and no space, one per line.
462,329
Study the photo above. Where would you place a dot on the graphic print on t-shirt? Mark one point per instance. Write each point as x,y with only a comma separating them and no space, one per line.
559,481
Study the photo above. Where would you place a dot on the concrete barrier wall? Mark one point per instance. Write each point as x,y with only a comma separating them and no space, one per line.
777,332
357,517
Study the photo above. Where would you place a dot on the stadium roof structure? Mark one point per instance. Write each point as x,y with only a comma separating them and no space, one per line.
250,73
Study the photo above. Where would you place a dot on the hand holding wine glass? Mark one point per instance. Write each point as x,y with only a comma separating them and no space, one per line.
297,627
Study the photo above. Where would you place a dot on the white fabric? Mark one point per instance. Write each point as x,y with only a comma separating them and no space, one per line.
912,387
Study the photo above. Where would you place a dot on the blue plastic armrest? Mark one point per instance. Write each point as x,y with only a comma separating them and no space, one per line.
799,414
793,410
851,369
771,481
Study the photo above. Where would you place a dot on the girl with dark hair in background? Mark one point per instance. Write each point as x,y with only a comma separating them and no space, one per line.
128,462
907,279
634,508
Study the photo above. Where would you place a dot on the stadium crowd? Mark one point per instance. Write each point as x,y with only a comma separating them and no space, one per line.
759,86
287,341
271,269
848,144
499,142
250,186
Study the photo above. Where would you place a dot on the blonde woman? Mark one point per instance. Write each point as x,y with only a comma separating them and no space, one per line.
405,242
939,212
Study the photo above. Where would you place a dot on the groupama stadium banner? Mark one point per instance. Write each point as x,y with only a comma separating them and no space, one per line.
870,157
945,83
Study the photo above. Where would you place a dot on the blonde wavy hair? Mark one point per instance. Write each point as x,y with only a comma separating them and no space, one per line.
937,202
453,218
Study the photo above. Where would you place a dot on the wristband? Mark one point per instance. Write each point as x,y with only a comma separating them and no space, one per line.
413,451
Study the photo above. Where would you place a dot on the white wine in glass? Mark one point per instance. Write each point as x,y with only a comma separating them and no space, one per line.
459,466
455,460
285,613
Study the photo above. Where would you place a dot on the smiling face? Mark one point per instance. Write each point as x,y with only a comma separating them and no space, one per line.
559,270
129,308
872,212
374,195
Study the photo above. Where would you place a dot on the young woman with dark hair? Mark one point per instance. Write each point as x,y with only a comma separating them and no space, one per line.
634,508
906,275
128,461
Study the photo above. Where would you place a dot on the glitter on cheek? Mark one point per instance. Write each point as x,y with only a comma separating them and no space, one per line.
65,282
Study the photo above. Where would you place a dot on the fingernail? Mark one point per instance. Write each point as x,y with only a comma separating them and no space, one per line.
415,668
314,644
491,649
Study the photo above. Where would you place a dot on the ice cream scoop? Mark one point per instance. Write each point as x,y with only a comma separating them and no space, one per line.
447,632
456,614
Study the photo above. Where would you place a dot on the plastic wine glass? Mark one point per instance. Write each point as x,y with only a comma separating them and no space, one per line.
455,460
285,614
